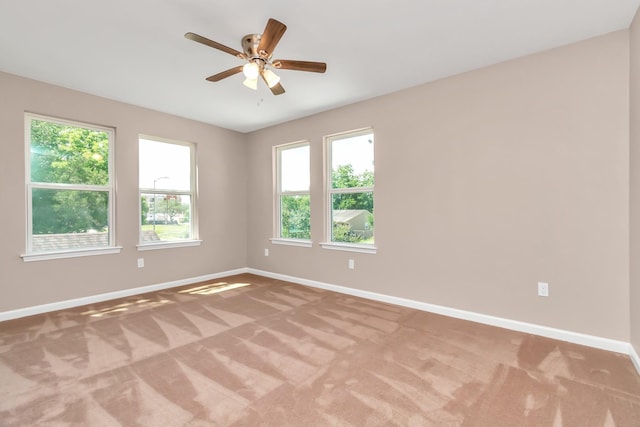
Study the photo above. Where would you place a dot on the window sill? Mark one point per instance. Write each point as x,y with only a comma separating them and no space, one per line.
44,256
349,247
292,242
168,245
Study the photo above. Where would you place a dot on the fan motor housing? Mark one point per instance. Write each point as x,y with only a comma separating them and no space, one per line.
250,44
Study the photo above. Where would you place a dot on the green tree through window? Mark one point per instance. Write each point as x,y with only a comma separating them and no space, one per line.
69,187
351,187
293,210
345,177
296,217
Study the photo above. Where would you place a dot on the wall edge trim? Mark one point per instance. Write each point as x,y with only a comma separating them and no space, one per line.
92,299
515,325
635,358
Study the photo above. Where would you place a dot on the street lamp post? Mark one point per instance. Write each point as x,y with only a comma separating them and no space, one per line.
155,199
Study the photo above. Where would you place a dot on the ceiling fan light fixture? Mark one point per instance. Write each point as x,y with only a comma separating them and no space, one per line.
257,51
251,70
251,83
271,78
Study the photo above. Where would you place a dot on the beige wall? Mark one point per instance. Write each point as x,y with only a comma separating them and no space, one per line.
516,173
512,174
635,182
222,180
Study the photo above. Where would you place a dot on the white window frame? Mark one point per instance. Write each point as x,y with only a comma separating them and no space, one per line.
30,186
193,220
278,193
369,248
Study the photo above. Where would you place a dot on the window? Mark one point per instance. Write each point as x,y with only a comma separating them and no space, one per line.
69,188
292,199
350,180
167,196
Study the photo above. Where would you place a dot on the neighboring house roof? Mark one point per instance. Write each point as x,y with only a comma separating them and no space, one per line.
347,215
55,242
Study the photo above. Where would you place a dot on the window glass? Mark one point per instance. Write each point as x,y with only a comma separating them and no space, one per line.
166,191
351,188
293,212
165,165
294,169
70,186
296,216
352,161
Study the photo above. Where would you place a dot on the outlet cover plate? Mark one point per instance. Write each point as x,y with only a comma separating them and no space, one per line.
543,289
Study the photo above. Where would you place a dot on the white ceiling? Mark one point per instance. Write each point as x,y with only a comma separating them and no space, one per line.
134,50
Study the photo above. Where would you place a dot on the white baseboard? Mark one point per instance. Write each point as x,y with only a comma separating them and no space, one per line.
61,305
634,357
545,331
530,328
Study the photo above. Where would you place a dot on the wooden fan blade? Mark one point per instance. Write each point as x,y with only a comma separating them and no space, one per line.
271,36
215,45
225,74
314,67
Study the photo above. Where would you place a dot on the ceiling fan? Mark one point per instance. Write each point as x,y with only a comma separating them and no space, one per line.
257,51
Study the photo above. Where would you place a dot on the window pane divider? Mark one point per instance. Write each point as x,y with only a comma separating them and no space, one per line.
164,191
351,190
76,187
294,193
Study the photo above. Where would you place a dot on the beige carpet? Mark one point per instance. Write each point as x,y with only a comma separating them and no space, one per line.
251,351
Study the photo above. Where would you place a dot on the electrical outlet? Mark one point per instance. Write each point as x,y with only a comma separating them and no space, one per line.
140,262
266,251
543,289
352,264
